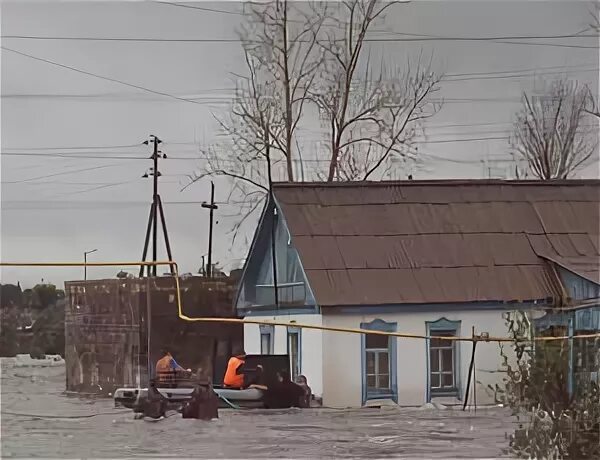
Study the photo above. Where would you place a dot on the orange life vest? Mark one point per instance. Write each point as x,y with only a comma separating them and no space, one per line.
164,369
232,379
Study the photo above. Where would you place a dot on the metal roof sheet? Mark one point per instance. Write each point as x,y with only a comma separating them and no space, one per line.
373,243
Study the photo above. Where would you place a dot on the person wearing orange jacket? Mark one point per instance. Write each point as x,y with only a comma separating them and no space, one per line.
167,368
234,376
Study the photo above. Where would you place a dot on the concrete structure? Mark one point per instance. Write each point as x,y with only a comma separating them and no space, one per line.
116,328
430,258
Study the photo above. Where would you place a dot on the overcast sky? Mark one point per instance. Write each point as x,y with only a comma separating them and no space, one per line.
55,208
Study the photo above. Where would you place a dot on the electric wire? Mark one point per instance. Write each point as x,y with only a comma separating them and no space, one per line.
512,39
93,168
91,74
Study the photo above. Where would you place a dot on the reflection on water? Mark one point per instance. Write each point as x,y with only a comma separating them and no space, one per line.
39,421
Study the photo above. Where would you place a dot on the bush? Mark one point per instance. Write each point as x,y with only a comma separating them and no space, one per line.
553,422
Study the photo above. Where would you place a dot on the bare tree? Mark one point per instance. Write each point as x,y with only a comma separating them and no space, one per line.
297,55
549,131
368,117
252,125
595,14
287,51
282,59
595,26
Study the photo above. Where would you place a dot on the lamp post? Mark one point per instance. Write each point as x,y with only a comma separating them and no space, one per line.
85,263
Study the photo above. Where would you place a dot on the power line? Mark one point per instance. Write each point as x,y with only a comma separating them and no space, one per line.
114,80
515,75
459,161
99,187
514,39
93,147
227,99
120,203
530,69
202,8
83,156
472,139
579,34
125,39
72,156
62,173
507,39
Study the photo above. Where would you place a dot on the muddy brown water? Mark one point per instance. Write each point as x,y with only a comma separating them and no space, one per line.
38,420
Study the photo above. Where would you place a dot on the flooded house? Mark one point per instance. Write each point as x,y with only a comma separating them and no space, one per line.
430,258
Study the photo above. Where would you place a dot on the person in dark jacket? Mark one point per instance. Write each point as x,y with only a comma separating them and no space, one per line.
307,398
284,394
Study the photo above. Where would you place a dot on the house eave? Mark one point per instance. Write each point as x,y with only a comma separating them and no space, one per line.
435,307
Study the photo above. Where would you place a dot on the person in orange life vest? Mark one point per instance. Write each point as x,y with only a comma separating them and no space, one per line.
167,368
234,377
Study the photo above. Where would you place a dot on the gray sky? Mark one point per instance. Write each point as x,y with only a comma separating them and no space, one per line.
54,208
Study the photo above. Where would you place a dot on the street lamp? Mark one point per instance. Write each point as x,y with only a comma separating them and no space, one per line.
85,263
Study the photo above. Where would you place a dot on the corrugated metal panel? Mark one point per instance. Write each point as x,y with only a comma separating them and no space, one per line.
429,285
441,241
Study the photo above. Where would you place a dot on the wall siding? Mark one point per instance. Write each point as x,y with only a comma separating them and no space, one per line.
577,287
311,345
342,379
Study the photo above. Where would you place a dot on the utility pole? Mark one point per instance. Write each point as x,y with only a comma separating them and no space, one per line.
212,206
273,223
155,202
154,210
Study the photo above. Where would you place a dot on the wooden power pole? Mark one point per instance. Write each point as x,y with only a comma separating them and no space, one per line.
155,208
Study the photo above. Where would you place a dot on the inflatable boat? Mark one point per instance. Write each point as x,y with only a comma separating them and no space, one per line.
251,398
181,392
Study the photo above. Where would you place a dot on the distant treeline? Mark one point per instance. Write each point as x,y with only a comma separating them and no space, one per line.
32,320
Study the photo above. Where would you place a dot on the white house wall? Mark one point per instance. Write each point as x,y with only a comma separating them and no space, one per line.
342,379
311,345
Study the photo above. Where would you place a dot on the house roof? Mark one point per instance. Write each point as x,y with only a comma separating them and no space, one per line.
374,243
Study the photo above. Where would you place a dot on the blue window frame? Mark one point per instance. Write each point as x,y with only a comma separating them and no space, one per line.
443,359
379,362
294,350
267,335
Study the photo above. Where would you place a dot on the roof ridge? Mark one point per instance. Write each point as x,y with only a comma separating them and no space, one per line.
439,182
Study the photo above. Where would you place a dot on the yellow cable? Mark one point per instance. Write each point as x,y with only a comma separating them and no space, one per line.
279,323
366,331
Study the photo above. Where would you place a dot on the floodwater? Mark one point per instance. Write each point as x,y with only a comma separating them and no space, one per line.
39,421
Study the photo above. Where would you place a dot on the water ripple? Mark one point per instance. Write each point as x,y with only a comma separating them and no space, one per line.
315,433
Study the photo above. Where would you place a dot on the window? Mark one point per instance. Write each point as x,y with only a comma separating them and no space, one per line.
266,339
265,343
294,352
441,362
377,351
379,362
443,359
